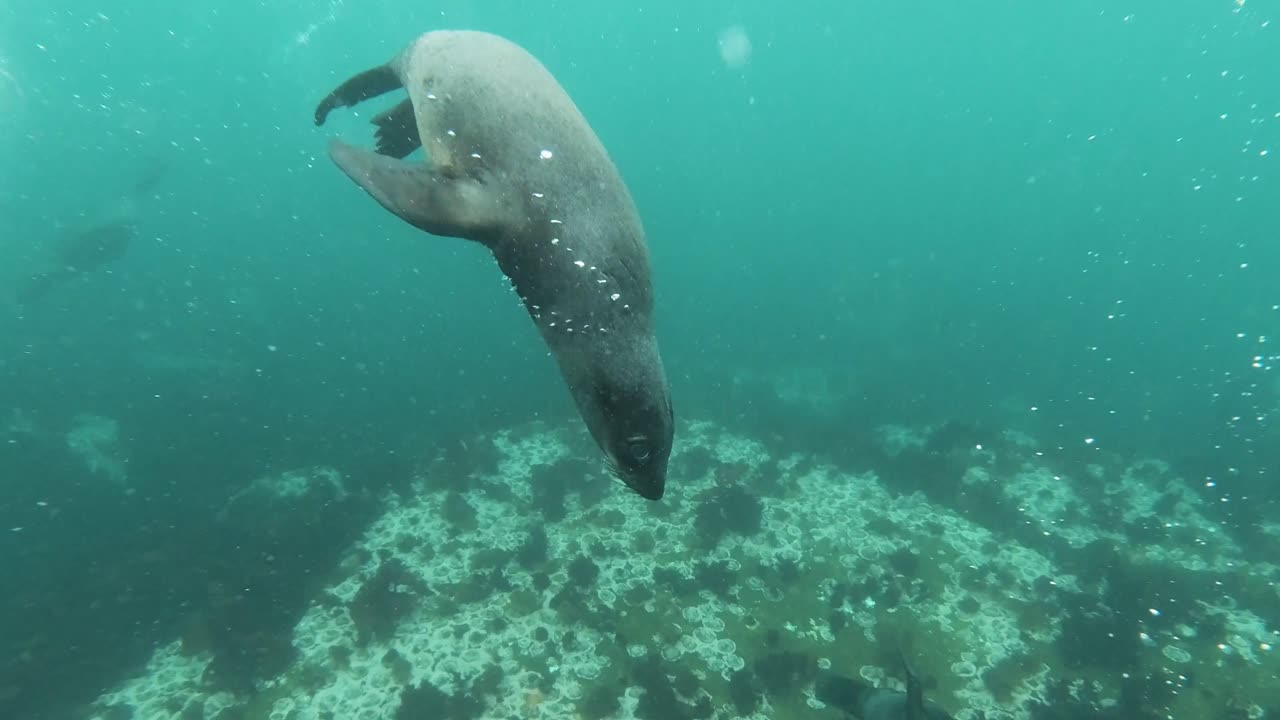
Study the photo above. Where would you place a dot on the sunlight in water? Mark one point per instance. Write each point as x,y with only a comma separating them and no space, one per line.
11,97
8,83
304,37
735,46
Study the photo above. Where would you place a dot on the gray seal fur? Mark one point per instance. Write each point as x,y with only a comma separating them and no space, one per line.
511,163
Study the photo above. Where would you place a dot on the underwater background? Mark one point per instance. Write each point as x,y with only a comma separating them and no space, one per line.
970,312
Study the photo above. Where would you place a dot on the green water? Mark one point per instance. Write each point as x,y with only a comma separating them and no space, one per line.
1057,217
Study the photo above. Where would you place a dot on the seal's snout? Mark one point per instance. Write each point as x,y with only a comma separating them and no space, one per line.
634,424
649,480
647,488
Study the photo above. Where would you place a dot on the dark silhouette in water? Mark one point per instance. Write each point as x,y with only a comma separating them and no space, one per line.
85,251
81,253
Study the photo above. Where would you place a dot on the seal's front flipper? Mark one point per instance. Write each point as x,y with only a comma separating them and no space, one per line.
370,83
397,131
428,199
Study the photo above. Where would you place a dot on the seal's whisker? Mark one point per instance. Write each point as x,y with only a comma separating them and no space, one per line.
612,466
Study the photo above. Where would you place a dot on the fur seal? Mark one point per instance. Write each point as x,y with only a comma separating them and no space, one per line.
512,164
78,254
103,243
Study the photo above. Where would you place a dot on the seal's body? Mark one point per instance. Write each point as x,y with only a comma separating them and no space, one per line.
511,163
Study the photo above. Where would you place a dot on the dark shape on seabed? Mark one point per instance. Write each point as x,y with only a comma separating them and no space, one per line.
384,600
727,509
427,702
861,700
660,700
583,572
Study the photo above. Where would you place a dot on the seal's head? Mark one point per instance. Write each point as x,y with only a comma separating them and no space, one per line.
624,398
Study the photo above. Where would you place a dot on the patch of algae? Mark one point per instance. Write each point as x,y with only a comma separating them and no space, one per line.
1212,681
799,605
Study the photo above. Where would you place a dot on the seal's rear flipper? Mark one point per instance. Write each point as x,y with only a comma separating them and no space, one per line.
370,83
397,131
426,198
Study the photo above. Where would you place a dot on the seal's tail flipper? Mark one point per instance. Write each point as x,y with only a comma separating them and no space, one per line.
368,84
434,201
397,132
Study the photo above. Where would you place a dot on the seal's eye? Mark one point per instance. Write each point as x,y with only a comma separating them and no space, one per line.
638,449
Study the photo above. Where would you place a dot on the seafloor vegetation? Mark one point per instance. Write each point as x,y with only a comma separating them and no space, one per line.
513,580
